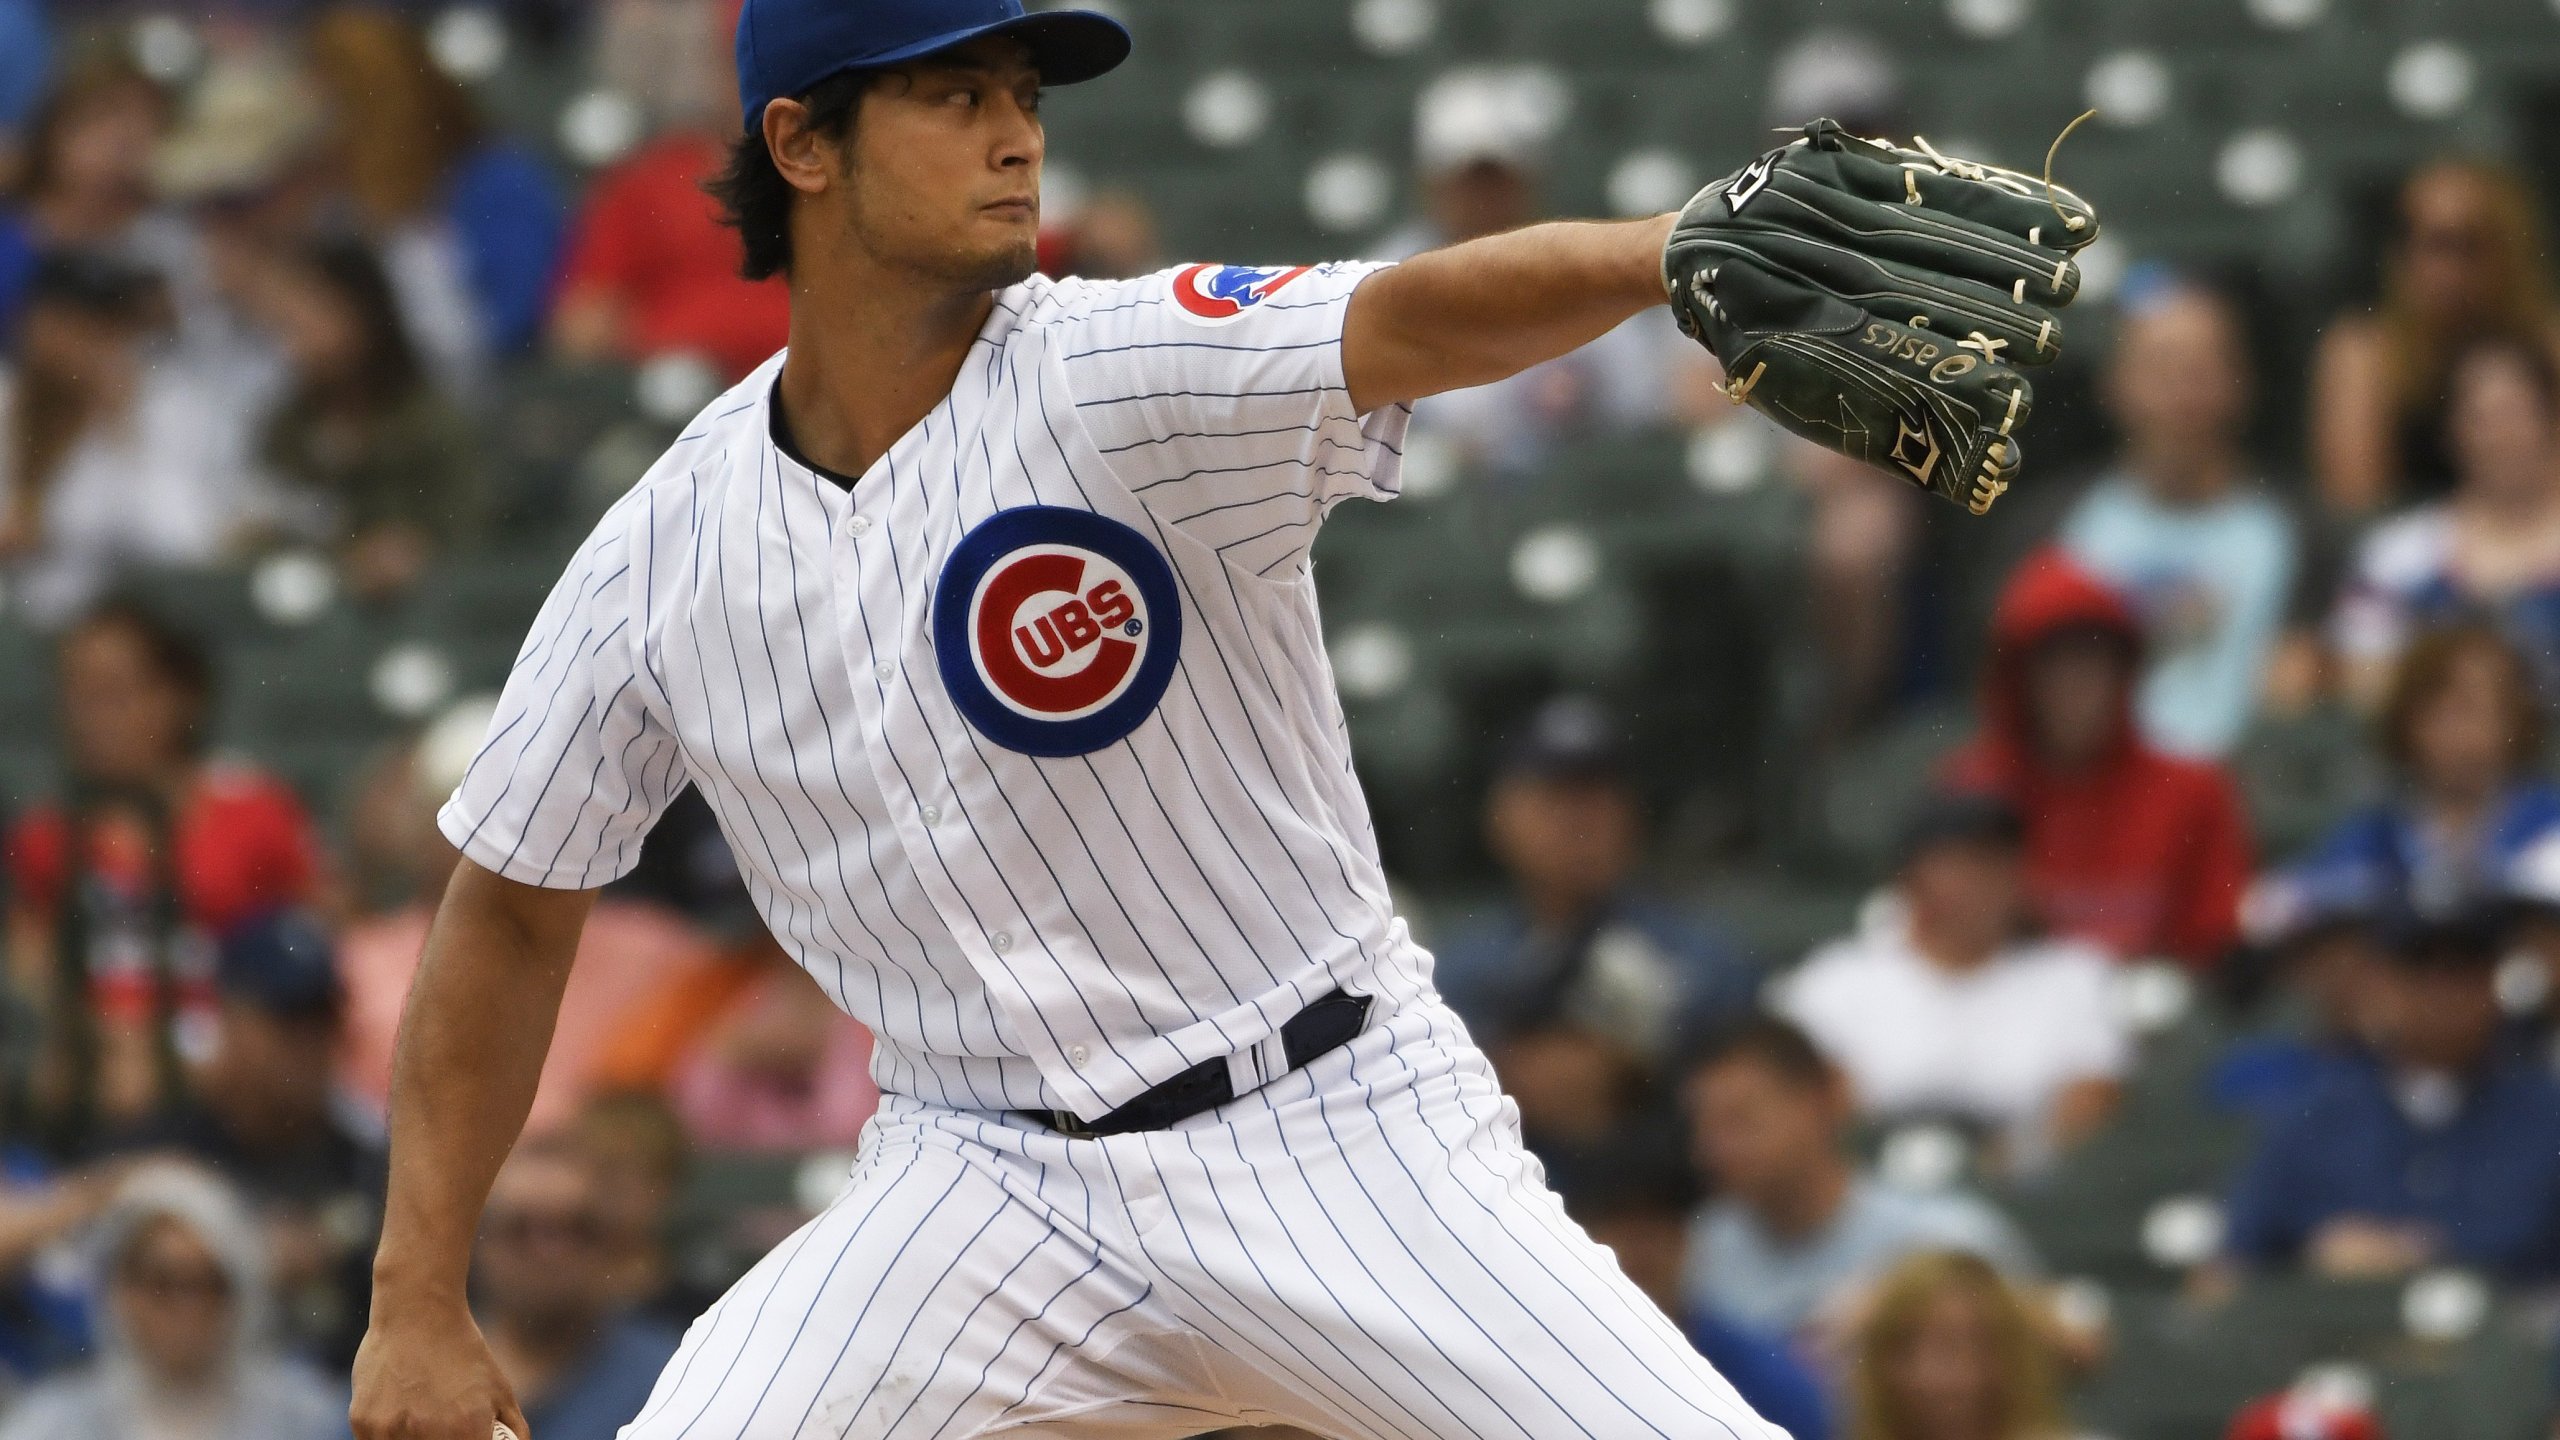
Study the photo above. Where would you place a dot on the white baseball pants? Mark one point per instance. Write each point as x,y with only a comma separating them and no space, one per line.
1361,1248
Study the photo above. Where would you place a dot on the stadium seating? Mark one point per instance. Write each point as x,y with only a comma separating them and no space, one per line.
2178,1367
1661,571
1438,578
1340,82
2087,1217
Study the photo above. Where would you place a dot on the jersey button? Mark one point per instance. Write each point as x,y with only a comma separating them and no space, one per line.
884,672
1078,1054
1000,942
932,816
858,525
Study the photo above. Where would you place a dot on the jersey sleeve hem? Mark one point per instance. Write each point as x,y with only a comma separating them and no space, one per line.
1382,429
501,855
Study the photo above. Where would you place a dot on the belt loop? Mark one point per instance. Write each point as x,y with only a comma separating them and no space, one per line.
1258,1064
1272,1056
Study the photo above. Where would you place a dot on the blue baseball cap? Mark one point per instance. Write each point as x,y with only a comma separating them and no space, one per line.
1569,738
787,46
282,962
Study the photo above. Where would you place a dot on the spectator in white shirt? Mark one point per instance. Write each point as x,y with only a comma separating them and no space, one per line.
1946,1004
117,456
1481,141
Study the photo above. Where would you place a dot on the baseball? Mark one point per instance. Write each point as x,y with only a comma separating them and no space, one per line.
502,1432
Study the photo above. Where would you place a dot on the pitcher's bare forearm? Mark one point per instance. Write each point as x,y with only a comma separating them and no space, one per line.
472,1042
1488,309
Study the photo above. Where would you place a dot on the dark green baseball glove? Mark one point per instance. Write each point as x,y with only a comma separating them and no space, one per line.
1880,301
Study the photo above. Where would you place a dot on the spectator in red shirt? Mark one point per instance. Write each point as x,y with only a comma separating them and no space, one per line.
2140,852
116,888
651,270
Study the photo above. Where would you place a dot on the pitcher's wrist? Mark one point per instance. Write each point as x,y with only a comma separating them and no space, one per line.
402,1287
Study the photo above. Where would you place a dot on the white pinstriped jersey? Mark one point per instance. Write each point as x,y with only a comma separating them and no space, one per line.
1029,750
1027,744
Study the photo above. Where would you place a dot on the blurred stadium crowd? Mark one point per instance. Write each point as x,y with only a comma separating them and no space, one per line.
2087,971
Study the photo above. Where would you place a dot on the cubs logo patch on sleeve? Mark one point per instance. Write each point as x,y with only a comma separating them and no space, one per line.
1216,294
1056,630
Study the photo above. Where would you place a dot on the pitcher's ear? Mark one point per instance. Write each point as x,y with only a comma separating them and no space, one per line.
802,152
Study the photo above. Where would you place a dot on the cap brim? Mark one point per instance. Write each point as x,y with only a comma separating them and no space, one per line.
1068,46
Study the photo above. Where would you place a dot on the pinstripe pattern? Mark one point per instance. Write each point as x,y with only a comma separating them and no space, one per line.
1360,1247
1060,932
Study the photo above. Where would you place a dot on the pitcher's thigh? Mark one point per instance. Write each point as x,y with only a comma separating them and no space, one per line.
1421,1281
924,1302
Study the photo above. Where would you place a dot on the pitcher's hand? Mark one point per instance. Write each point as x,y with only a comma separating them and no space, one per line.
425,1373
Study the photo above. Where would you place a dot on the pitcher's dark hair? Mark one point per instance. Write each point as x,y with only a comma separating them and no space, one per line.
755,200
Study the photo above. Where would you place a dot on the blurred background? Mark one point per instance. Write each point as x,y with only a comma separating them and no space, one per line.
2086,971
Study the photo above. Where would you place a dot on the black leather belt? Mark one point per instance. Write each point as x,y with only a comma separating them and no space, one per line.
1326,1024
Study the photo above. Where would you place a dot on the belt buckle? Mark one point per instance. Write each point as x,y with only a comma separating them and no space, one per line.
1072,1126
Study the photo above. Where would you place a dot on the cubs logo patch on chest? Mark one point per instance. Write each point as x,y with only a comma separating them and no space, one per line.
1056,630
